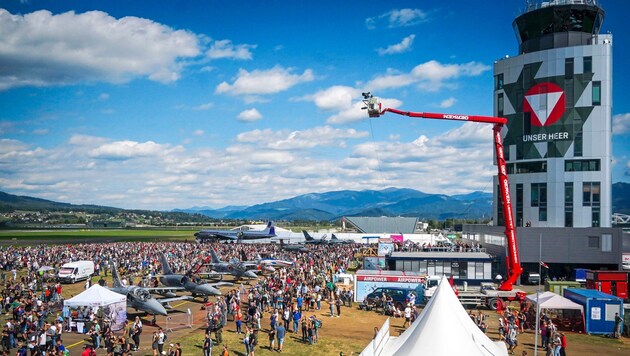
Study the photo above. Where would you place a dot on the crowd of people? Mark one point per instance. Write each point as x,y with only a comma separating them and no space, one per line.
36,320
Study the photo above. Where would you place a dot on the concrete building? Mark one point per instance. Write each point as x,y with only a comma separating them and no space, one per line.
557,96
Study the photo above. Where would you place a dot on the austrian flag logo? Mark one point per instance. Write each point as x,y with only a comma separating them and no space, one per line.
545,102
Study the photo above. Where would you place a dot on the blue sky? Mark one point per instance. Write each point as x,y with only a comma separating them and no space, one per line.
173,104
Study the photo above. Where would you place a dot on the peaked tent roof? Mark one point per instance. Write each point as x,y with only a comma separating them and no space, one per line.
443,320
550,300
95,296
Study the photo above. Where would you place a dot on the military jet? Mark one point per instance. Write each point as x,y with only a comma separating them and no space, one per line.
183,282
234,235
295,247
335,240
140,298
237,269
311,240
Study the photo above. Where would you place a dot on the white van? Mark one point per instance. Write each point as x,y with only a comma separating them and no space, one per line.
76,271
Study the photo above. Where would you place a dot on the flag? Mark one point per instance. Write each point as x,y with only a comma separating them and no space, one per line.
543,264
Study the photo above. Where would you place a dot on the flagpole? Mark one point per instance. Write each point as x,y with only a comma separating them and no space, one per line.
537,294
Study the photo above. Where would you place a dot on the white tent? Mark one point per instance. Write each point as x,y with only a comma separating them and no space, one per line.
443,328
95,296
550,300
114,305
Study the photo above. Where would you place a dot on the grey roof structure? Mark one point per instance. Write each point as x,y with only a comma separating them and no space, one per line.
442,255
372,225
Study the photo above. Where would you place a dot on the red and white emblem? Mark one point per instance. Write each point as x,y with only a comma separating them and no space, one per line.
545,102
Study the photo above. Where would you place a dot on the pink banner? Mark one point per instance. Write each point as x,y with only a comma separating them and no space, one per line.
396,238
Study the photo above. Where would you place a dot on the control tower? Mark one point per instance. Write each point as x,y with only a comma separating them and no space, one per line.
557,96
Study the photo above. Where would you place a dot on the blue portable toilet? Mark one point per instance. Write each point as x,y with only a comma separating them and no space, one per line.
599,309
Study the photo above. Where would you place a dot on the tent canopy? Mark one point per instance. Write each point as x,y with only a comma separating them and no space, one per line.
550,300
95,296
443,320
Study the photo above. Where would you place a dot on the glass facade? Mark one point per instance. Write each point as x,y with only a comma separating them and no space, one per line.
481,270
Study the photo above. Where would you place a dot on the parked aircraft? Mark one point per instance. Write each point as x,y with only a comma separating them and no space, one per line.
233,235
295,247
237,269
182,282
311,240
140,298
335,240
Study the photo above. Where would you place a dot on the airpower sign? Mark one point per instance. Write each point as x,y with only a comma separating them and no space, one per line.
546,104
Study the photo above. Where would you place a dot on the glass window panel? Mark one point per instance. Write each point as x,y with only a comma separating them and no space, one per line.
447,268
597,93
407,266
439,268
399,265
606,242
415,266
487,270
471,270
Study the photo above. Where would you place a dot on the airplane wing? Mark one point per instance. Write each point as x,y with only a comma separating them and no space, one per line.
166,301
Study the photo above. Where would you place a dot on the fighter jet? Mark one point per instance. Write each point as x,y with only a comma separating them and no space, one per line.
295,248
335,240
234,235
182,282
237,269
140,298
313,241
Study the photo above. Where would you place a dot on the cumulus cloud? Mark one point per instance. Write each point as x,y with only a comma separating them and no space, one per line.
43,49
249,115
447,103
621,124
401,47
258,165
262,82
397,18
226,49
124,150
429,76
334,98
309,138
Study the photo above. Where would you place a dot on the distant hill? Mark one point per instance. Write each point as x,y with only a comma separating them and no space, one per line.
10,202
323,206
387,202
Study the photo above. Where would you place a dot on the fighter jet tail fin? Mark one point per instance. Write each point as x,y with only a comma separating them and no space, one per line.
215,257
166,269
115,277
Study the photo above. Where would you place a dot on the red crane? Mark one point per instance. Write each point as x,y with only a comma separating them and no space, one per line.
514,269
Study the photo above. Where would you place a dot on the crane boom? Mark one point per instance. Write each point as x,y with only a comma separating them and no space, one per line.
514,268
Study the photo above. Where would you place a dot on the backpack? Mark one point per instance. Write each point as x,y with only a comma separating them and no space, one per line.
165,337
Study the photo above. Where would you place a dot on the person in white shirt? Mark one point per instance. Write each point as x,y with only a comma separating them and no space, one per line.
407,316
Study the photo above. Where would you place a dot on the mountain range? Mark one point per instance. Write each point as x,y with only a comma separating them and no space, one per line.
331,205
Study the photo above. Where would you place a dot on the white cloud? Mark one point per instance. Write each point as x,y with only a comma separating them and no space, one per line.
225,49
249,115
261,82
123,150
447,103
70,48
621,124
334,98
198,132
261,165
205,106
326,136
430,76
397,18
103,97
403,46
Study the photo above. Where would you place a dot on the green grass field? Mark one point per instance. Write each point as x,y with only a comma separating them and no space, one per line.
87,234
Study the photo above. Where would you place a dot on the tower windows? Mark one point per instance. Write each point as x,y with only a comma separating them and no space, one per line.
597,93
588,64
